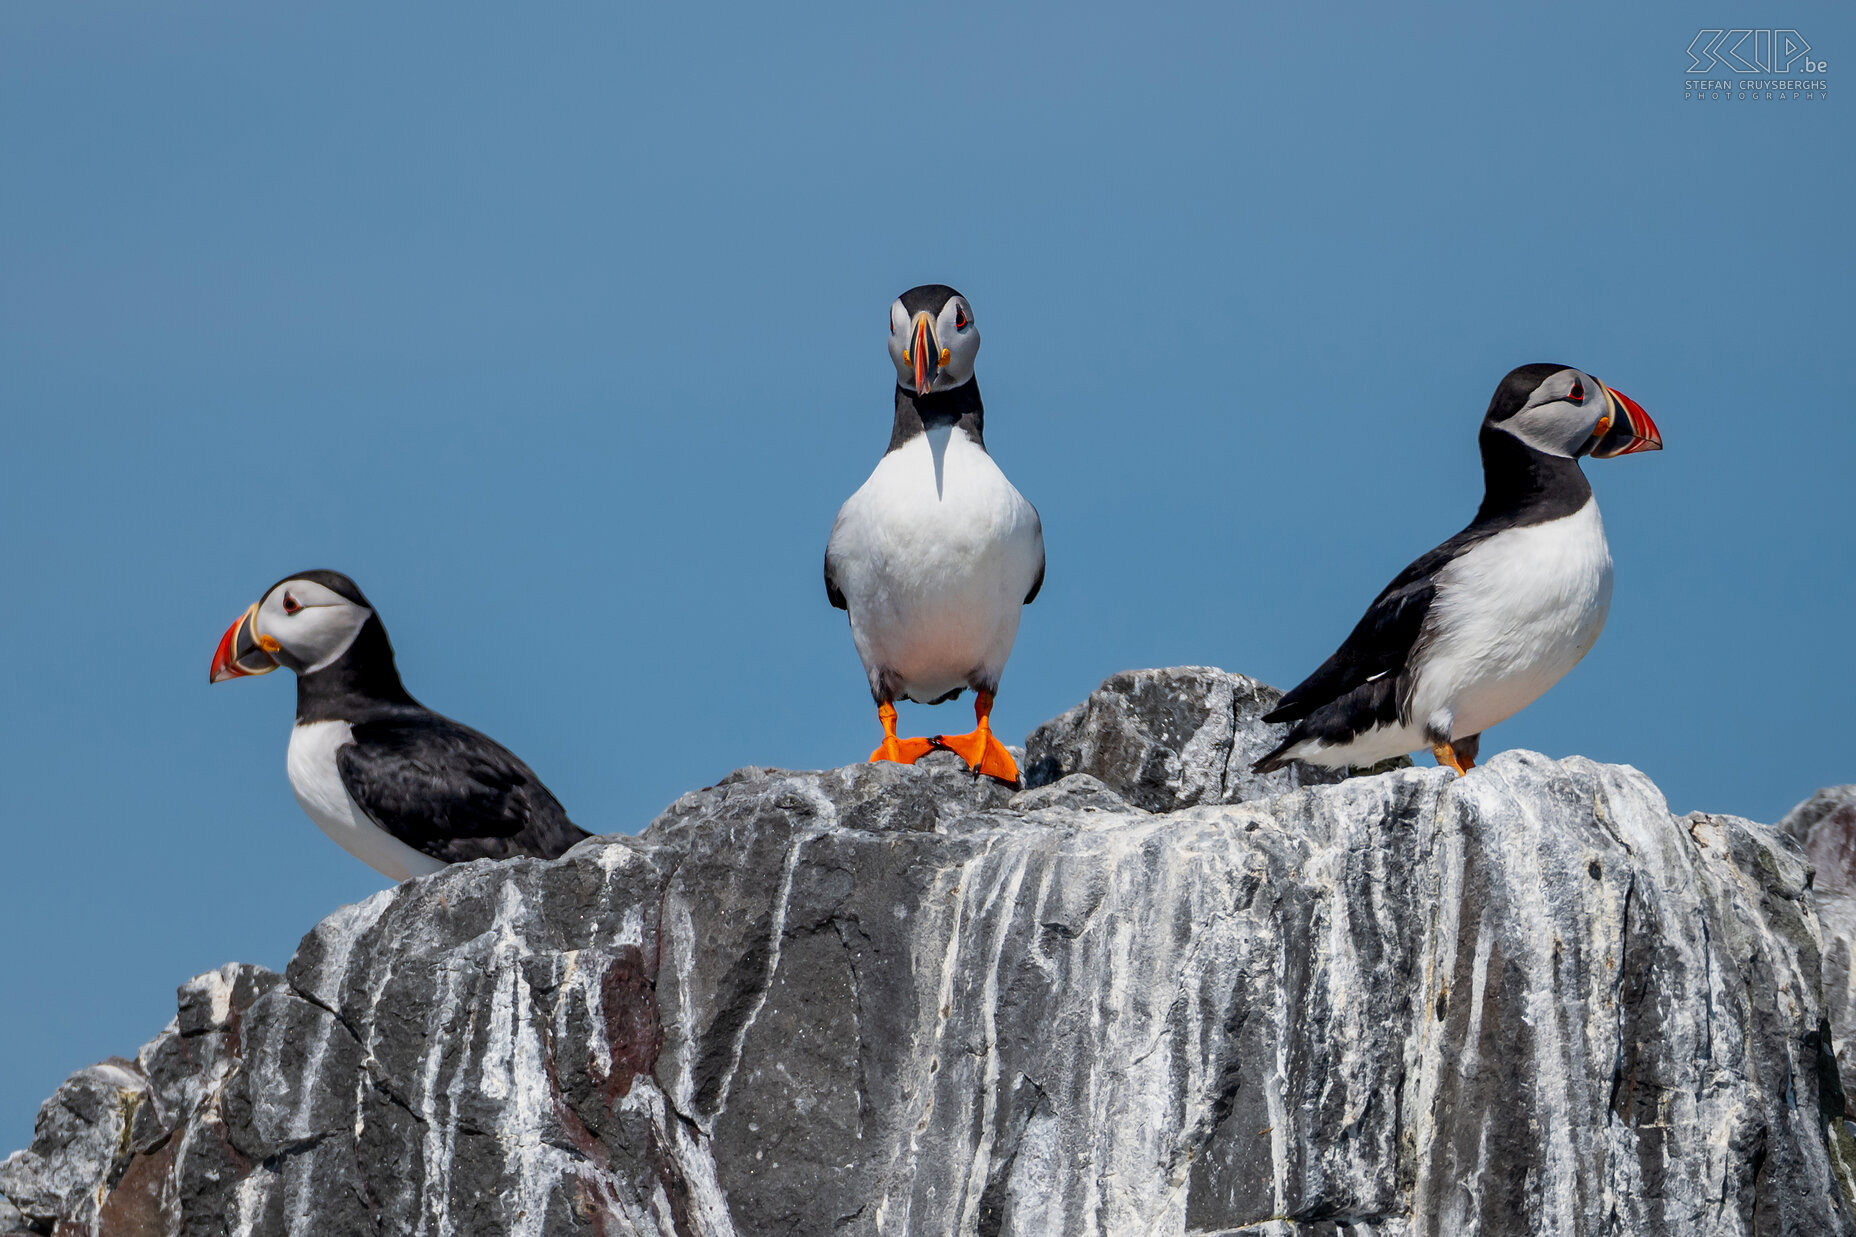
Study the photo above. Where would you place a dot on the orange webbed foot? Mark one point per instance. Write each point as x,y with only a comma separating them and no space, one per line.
984,754
902,751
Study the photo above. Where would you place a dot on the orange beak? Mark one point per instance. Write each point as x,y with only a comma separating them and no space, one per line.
1631,429
924,366
242,650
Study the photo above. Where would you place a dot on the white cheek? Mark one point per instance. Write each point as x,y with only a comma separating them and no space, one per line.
319,635
965,350
1557,429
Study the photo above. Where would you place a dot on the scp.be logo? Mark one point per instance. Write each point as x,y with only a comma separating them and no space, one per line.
1754,66
1752,51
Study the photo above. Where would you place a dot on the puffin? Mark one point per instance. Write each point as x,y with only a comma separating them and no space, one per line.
935,556
401,788
1480,627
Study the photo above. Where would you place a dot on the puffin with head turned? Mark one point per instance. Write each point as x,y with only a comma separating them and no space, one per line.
396,785
936,554
1479,628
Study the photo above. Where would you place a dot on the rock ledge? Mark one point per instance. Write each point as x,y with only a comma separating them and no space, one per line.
1150,994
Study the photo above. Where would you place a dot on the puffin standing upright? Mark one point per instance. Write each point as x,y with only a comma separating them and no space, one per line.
397,786
1477,629
936,554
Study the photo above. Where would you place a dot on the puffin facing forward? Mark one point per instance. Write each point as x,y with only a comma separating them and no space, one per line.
936,554
397,786
1480,627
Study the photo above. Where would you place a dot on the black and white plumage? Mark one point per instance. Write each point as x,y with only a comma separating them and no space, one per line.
397,786
936,554
1479,628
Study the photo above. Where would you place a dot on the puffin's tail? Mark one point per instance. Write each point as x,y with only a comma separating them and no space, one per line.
1279,758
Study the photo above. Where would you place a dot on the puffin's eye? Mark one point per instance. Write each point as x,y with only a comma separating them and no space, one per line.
1577,394
961,321
291,604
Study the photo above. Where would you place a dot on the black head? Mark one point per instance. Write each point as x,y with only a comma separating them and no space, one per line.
305,622
932,339
334,581
1561,411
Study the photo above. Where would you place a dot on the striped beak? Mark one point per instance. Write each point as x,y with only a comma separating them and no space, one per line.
1626,429
925,352
242,650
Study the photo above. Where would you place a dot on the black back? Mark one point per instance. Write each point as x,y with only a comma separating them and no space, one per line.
451,792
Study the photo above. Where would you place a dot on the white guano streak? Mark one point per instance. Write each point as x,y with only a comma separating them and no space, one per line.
989,1001
773,964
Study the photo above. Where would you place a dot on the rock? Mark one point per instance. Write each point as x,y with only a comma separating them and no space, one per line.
80,1136
1825,825
120,1145
889,1000
1170,739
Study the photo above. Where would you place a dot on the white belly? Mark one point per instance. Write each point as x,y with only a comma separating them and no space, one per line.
1510,618
934,556
320,792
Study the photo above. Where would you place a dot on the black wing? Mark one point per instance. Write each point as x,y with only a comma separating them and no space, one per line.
832,594
450,792
1380,644
1038,583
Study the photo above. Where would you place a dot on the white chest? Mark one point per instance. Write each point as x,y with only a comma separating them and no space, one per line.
939,492
934,555
937,520
317,783
1511,618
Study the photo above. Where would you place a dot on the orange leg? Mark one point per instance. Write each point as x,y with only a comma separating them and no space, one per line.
1447,755
902,751
982,752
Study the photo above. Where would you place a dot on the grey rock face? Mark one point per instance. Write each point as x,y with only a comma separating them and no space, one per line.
82,1132
887,1000
1825,825
1169,739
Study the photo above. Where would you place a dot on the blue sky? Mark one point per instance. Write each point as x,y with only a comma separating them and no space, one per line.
563,333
